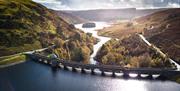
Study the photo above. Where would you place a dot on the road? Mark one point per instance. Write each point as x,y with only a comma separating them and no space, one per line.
159,51
29,52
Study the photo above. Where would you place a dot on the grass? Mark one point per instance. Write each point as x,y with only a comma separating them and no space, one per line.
121,30
26,25
12,59
6,57
19,49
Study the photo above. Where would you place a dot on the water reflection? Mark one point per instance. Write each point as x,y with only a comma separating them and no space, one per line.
136,85
128,85
32,76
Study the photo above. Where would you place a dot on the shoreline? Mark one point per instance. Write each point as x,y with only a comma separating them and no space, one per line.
94,31
21,60
11,64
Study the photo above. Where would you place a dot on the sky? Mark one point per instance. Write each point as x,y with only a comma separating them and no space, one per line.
108,4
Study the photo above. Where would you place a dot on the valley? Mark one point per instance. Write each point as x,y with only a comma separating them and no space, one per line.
48,49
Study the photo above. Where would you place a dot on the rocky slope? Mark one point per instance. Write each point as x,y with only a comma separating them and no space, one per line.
26,25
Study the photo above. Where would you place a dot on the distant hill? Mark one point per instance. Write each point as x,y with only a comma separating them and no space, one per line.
26,25
70,18
112,14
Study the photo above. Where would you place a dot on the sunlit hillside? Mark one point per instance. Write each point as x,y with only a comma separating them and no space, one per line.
26,25
89,45
161,28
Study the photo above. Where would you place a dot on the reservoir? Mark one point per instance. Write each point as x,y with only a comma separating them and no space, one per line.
33,76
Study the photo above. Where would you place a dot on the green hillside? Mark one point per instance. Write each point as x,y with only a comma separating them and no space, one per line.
26,25
131,52
160,28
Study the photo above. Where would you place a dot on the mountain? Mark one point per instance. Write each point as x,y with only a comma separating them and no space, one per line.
112,14
160,28
71,19
26,25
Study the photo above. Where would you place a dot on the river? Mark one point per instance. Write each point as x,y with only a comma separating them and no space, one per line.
94,30
32,76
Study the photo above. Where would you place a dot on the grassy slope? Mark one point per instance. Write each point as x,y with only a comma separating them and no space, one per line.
130,52
164,35
121,30
12,59
26,25
166,32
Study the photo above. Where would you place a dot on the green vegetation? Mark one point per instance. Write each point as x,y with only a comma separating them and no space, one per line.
12,59
121,30
26,25
78,50
160,28
130,52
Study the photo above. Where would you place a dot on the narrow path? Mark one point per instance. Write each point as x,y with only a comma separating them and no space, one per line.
159,51
28,52
20,61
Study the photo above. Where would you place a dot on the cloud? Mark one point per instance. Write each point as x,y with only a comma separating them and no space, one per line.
173,5
53,4
107,4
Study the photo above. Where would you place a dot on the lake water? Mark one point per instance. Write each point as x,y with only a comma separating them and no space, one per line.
32,76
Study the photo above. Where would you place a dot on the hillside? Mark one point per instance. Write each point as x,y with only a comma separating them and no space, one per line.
71,19
163,30
160,28
130,52
109,15
26,25
121,29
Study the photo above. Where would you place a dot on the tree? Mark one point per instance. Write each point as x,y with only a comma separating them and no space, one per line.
59,42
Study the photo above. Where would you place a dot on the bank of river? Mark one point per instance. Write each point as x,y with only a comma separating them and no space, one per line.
94,30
